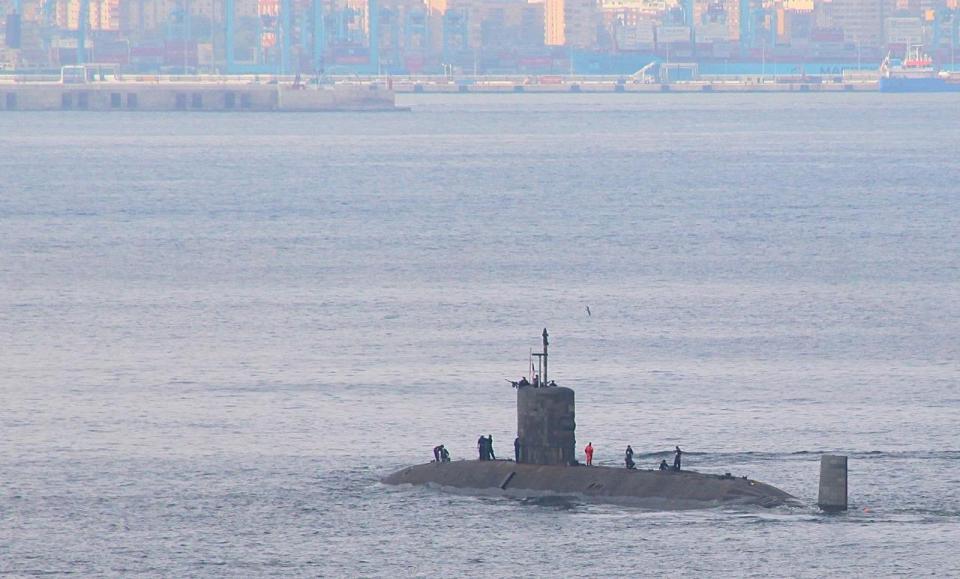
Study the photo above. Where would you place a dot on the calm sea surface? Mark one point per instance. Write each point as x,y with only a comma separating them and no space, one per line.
218,331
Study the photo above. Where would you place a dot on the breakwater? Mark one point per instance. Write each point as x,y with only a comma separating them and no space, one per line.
144,95
483,85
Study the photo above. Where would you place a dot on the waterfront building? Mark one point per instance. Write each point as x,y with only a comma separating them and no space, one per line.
903,31
103,14
501,36
475,25
572,23
860,20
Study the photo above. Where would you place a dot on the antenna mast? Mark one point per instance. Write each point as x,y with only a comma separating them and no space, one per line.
543,377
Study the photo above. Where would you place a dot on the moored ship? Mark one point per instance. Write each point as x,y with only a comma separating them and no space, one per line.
916,73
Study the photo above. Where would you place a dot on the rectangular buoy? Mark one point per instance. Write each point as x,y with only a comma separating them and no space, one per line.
506,480
833,483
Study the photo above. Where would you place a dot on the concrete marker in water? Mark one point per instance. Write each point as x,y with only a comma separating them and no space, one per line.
833,483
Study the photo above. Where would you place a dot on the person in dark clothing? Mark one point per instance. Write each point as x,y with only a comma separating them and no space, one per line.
628,458
482,447
663,465
676,458
523,382
436,452
516,449
490,455
444,454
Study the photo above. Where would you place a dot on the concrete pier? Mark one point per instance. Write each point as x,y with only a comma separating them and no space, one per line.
614,85
193,96
833,483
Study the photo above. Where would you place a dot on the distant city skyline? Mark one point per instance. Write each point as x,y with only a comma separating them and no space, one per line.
412,36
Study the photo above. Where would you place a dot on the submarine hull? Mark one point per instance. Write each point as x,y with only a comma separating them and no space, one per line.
666,490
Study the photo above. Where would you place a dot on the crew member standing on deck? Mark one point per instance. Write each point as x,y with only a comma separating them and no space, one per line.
588,450
490,455
482,447
516,449
628,457
676,458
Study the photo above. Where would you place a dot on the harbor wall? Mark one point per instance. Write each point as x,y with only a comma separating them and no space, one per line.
613,86
142,96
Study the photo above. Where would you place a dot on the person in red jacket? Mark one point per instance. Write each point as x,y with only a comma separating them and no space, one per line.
588,450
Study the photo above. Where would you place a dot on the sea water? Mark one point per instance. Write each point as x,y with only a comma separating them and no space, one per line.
218,331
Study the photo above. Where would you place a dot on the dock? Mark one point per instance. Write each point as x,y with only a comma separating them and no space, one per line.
619,84
90,89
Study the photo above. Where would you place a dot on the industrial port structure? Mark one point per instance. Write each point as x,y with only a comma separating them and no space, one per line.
88,88
476,37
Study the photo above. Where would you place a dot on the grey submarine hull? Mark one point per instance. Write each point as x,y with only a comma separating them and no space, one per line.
665,490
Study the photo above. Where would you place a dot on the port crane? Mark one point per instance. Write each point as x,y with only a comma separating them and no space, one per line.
309,25
641,75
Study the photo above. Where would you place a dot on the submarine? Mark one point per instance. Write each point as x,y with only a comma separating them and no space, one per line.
547,466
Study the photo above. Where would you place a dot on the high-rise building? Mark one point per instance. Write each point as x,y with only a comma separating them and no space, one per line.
553,23
139,16
105,15
487,22
904,30
860,20
571,23
142,16
102,15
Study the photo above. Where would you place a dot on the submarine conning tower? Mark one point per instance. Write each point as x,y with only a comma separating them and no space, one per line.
546,442
546,421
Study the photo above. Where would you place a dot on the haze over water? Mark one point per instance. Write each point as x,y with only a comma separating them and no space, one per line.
218,331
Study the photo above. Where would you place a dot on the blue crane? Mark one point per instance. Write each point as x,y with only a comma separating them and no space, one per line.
83,20
319,35
285,33
373,8
228,23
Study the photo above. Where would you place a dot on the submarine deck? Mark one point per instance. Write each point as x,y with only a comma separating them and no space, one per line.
666,490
